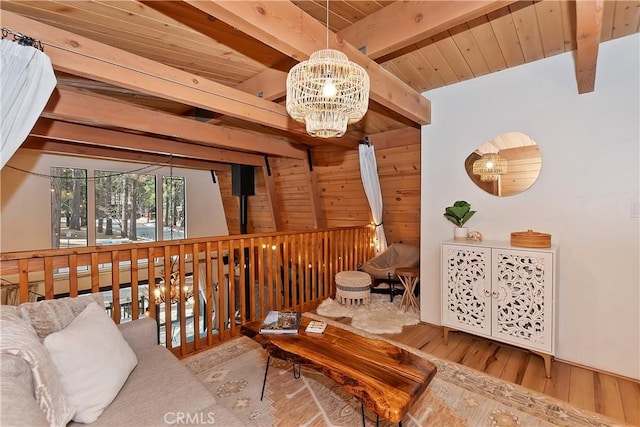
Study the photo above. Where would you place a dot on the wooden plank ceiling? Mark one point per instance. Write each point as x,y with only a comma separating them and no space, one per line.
205,80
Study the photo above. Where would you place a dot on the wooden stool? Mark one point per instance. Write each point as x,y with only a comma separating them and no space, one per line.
409,278
353,287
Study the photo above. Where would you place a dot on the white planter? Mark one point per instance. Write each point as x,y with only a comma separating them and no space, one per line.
460,233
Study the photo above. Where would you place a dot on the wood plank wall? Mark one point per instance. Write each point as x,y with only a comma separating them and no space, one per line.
230,202
338,186
399,171
260,216
521,174
260,219
342,196
294,193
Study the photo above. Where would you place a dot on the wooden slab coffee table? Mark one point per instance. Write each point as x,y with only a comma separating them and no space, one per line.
384,377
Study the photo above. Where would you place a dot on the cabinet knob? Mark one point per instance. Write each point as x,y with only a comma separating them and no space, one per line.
495,294
487,293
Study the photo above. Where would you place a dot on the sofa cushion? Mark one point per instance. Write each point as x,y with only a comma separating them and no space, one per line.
159,389
93,361
141,333
54,315
19,339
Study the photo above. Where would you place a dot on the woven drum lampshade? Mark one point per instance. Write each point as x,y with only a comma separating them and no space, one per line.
489,167
327,93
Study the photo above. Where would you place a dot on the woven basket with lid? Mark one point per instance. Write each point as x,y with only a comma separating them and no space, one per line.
530,239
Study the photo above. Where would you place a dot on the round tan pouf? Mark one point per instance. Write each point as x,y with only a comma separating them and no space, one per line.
353,287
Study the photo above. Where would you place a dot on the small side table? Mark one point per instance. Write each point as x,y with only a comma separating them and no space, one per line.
353,287
409,278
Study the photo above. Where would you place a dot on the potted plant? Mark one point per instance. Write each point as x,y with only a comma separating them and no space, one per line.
459,214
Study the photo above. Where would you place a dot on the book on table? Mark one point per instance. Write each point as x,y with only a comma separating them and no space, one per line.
281,322
316,326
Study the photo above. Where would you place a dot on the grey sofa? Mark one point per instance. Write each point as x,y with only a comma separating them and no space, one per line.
159,391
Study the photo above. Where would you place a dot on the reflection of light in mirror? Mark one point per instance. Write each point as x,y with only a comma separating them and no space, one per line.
508,164
489,167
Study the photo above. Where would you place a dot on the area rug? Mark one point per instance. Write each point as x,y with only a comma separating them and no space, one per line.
381,316
458,396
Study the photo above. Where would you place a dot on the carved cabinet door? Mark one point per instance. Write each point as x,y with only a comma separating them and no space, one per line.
466,288
523,298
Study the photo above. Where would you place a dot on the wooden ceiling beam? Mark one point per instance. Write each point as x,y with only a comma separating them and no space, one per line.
69,105
271,84
403,23
82,150
88,135
287,28
77,55
588,29
396,138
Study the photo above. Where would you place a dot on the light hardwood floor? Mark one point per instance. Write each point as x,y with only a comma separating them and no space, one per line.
613,396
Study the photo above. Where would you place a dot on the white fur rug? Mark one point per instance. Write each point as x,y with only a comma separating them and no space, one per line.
380,317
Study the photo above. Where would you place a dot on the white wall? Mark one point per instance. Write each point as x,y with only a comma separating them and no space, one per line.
589,180
25,210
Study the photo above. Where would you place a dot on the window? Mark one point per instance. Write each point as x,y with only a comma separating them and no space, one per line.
68,207
125,207
128,208
174,208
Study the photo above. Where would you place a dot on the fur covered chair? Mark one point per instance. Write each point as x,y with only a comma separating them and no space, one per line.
382,268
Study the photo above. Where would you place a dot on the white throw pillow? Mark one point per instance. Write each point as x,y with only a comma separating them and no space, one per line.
93,361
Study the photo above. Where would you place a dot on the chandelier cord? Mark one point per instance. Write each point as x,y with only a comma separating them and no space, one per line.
327,92
327,24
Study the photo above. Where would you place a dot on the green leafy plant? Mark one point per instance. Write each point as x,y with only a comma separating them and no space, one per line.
459,213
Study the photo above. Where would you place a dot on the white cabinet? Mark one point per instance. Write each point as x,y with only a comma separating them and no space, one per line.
501,292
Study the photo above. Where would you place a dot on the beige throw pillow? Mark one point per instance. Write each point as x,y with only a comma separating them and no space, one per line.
18,338
54,315
93,361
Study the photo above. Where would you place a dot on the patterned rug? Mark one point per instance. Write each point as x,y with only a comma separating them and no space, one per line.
381,316
458,396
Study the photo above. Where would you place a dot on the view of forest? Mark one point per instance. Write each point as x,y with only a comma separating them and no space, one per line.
125,207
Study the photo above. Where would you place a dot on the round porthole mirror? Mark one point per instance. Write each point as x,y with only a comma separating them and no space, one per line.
508,164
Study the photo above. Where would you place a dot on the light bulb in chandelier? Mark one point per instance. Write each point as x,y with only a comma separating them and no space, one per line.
329,89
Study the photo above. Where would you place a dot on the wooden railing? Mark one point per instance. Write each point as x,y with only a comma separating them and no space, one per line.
212,292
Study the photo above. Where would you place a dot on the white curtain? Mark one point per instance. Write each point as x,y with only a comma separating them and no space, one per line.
371,183
27,82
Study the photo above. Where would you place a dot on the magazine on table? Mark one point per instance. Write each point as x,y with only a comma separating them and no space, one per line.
281,322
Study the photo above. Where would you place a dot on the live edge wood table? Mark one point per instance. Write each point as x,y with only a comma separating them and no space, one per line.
384,377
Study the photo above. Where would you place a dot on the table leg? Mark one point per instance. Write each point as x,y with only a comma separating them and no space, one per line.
264,381
408,298
296,372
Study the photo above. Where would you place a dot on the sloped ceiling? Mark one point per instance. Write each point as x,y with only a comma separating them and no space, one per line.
187,77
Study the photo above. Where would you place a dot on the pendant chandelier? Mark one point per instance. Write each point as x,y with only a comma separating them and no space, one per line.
327,92
490,166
